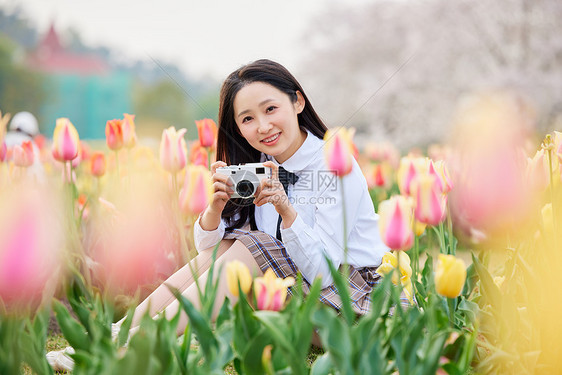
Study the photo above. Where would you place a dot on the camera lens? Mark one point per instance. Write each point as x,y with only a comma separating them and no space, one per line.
245,188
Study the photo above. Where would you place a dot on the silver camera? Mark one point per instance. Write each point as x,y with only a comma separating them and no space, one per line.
245,177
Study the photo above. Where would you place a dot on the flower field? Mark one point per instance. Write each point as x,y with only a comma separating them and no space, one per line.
88,230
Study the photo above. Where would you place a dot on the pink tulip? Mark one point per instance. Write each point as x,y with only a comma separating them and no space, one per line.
23,154
430,203
271,291
97,164
409,169
395,222
173,150
197,191
129,133
338,151
66,142
207,130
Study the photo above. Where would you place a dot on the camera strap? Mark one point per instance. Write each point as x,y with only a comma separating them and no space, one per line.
286,178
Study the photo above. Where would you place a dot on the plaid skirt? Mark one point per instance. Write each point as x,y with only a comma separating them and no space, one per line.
271,253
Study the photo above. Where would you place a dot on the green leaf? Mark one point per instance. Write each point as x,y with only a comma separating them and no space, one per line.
73,332
322,365
342,286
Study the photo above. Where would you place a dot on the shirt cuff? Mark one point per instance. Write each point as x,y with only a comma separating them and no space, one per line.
204,239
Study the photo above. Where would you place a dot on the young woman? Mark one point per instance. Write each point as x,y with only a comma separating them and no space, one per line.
295,218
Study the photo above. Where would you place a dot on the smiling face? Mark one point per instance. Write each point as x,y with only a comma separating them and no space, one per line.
267,119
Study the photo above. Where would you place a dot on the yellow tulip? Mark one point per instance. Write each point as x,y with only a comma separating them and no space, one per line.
129,133
389,263
238,273
450,275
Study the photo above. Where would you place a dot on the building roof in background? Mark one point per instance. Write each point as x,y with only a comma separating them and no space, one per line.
51,57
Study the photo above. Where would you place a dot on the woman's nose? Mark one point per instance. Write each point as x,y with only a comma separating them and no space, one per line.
264,126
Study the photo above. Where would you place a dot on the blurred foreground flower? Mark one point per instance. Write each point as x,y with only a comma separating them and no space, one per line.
197,191
450,275
198,155
338,151
238,273
173,150
271,291
66,143
207,130
30,243
395,223
130,238
23,154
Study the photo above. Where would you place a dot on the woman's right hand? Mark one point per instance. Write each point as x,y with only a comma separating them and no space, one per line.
222,190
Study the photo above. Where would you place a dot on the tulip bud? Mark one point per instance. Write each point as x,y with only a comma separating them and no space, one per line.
129,133
23,154
443,174
338,150
409,169
197,191
271,291
114,134
450,276
97,164
238,273
66,142
395,223
207,130
173,150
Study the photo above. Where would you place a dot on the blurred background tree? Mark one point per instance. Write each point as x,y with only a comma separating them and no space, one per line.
403,65
20,88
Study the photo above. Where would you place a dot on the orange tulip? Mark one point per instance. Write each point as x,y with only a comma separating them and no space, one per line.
129,133
271,291
173,150
97,164
197,191
395,222
114,134
23,154
66,142
207,130
338,151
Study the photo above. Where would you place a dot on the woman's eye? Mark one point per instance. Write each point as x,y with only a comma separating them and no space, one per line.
246,119
270,108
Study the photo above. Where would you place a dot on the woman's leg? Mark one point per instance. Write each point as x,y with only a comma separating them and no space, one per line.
236,252
161,297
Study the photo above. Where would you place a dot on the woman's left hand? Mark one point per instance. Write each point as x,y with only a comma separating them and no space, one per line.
271,191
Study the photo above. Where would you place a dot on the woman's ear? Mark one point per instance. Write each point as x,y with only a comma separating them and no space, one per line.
300,103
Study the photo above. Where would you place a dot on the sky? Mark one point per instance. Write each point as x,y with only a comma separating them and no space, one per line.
205,38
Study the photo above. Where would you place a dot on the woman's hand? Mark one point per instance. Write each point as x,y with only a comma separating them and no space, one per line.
222,191
271,191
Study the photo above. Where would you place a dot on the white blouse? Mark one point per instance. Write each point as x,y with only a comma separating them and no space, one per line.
318,227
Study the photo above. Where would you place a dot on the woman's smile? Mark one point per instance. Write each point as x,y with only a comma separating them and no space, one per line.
270,141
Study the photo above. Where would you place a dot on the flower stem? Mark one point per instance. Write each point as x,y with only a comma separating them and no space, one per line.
442,246
346,272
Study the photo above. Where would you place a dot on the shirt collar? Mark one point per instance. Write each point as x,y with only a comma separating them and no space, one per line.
304,156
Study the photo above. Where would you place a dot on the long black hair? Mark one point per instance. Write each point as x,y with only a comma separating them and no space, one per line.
232,147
